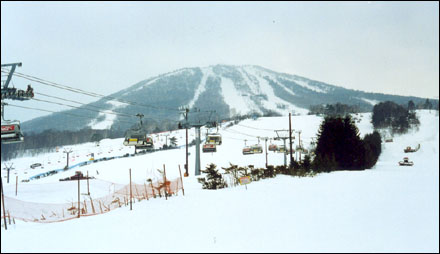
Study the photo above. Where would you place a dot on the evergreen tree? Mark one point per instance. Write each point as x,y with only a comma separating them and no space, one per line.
173,141
428,105
389,114
339,145
411,106
306,162
372,148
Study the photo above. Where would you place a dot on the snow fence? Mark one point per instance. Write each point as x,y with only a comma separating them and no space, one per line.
88,206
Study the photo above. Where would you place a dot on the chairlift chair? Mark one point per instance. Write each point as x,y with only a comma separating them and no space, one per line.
257,148
139,139
214,138
208,147
281,149
273,147
11,132
247,150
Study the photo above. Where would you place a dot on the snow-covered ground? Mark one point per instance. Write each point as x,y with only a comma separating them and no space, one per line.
386,209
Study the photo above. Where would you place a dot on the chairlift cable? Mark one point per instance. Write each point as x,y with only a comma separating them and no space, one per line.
80,91
62,104
256,128
61,112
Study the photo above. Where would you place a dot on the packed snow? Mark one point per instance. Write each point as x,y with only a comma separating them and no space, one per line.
372,102
273,102
388,208
109,116
207,72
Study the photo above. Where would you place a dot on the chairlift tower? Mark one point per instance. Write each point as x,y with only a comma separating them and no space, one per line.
9,168
197,163
10,129
299,143
198,135
284,135
67,152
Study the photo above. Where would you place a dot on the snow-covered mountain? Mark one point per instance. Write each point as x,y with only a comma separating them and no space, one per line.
229,90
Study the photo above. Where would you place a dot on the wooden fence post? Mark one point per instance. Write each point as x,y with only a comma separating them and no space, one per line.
93,207
181,181
152,188
131,206
165,182
79,204
146,192
88,188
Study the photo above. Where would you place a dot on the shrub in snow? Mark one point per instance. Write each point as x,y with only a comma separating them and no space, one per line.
256,173
214,180
243,171
269,172
233,172
306,163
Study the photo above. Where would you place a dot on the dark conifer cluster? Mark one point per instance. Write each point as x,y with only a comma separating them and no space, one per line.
341,148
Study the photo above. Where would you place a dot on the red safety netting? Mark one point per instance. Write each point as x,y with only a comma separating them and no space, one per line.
44,212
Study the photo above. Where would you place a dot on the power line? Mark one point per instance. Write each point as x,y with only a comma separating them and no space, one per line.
55,97
65,113
49,83
237,132
80,91
99,111
272,130
115,112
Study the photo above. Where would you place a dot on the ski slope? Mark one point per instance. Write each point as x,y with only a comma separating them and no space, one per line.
385,209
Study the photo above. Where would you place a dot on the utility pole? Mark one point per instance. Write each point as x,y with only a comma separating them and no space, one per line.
185,114
265,147
299,143
290,139
3,200
67,152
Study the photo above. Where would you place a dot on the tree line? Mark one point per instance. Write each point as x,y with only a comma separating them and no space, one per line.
48,140
338,109
394,116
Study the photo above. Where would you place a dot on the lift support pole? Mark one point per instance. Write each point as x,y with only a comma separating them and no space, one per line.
197,163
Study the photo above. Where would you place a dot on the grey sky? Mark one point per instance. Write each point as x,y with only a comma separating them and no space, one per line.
386,47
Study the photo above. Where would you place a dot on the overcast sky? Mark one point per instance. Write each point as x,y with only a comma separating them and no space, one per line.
103,47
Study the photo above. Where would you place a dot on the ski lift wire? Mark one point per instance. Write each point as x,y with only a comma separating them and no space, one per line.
255,128
76,90
50,111
55,97
99,111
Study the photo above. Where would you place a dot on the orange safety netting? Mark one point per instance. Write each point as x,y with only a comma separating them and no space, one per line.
43,212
